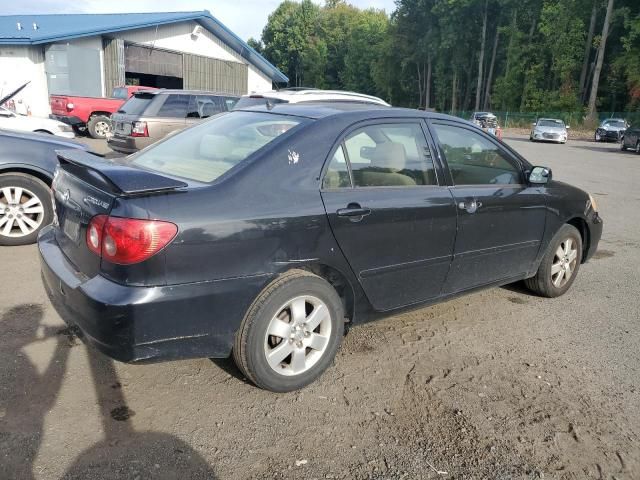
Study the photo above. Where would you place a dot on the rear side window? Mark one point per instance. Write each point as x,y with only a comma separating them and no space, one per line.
386,155
205,152
205,106
137,104
174,106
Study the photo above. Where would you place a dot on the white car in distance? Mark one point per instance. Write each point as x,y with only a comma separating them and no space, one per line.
25,123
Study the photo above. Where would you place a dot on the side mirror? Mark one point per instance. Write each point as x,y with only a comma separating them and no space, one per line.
540,175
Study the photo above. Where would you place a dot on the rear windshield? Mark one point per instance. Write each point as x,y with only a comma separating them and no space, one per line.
137,104
120,92
246,102
205,152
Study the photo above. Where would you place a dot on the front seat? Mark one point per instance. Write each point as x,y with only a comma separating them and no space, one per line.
387,161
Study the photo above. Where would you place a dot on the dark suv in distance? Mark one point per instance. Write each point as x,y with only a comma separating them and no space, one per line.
259,233
149,116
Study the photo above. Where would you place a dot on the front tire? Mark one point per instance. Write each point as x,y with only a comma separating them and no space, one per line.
25,208
291,332
560,264
99,126
597,137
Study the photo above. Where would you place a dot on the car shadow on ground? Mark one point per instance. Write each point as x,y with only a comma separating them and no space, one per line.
26,397
612,148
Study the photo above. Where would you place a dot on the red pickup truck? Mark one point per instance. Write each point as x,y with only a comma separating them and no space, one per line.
91,113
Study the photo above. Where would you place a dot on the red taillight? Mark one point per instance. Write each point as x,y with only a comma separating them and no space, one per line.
128,240
139,129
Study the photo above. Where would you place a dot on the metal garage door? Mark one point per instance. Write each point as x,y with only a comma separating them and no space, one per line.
152,61
204,73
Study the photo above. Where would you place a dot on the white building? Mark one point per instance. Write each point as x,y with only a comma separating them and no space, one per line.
89,54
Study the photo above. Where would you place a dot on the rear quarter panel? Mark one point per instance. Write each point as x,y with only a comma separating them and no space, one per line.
265,217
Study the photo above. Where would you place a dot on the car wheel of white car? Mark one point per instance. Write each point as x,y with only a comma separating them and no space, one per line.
25,207
597,137
99,126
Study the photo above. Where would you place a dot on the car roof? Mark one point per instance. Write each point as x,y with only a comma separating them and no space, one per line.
171,91
297,94
551,119
318,110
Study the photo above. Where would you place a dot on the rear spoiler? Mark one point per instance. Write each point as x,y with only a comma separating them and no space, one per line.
112,174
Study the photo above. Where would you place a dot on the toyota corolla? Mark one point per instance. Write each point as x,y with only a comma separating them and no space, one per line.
261,233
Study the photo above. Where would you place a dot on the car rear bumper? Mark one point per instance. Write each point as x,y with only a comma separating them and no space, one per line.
69,120
146,324
126,144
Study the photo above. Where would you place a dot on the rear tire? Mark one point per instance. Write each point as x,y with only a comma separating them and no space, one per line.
291,332
25,208
560,264
638,147
99,126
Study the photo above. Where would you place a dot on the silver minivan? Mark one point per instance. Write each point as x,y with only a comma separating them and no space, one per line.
149,116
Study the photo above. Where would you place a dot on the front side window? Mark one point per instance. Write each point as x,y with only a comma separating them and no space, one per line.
385,155
475,160
175,106
206,151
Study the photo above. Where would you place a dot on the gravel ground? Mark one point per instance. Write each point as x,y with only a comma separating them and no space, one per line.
498,385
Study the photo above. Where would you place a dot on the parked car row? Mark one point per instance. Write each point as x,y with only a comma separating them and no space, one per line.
91,114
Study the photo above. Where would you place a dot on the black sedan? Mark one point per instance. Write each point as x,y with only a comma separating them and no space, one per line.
610,130
261,232
631,139
27,163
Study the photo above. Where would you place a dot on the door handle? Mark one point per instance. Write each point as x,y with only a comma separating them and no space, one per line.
470,206
353,210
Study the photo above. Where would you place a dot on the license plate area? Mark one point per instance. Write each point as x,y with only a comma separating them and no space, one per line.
71,229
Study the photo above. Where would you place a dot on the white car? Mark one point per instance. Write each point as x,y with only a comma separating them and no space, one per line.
14,121
549,130
299,95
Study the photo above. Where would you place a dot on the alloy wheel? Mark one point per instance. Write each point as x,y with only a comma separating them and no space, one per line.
21,212
564,262
102,128
298,335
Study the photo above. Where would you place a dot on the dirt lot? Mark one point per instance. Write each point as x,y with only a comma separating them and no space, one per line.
496,385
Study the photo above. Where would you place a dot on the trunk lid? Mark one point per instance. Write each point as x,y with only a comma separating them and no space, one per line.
87,185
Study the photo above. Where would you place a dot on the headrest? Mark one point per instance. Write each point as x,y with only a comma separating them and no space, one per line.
389,155
208,109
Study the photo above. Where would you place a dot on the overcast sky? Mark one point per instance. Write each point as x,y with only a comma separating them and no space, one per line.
245,17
